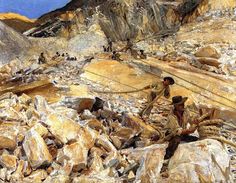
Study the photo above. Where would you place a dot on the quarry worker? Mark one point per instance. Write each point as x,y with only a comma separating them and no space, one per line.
116,56
177,125
129,45
41,59
104,49
109,48
142,55
157,90
56,56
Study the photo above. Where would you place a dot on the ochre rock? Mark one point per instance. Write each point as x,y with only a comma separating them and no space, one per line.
8,161
37,176
209,61
57,179
201,161
36,150
62,128
42,131
8,135
76,153
207,51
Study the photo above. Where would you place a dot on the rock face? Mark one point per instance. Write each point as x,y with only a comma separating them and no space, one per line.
132,19
201,161
17,22
36,150
89,42
12,44
210,5
120,19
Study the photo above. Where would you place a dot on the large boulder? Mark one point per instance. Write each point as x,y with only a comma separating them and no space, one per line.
207,51
151,160
36,150
62,128
201,161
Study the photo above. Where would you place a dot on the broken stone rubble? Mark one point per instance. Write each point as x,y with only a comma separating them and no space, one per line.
56,148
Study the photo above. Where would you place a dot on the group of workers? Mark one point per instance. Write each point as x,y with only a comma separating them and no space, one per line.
42,58
129,47
180,122
109,48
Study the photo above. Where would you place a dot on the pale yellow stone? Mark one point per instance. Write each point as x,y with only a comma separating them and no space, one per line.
36,176
8,135
8,161
42,131
36,149
58,179
76,153
63,128
200,161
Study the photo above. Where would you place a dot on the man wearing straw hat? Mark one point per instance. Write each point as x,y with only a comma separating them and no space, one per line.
177,125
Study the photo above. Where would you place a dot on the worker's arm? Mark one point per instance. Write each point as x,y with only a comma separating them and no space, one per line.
193,121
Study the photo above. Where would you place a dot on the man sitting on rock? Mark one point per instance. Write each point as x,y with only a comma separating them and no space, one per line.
116,56
157,90
177,125
142,55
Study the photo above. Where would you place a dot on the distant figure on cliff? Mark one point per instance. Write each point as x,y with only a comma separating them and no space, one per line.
41,59
109,48
142,55
104,48
56,56
129,46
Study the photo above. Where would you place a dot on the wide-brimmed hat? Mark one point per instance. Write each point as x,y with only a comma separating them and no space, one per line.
172,81
178,100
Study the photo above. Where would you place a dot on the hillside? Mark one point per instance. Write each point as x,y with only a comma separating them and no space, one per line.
17,22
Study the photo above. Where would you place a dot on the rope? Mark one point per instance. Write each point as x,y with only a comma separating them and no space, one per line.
196,86
114,80
119,92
